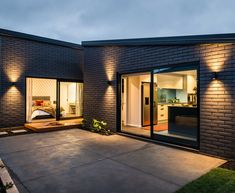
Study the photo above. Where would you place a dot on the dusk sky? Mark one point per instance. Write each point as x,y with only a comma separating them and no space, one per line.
78,20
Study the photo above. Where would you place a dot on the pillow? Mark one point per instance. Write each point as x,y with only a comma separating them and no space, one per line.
38,102
46,103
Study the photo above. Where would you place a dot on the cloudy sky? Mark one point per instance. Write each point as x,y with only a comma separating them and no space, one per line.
77,20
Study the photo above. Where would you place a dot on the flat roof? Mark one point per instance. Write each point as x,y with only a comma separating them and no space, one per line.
5,32
173,40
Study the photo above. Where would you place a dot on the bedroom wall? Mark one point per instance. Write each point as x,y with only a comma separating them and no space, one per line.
44,87
21,58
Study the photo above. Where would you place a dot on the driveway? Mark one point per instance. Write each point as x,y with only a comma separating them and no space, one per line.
78,161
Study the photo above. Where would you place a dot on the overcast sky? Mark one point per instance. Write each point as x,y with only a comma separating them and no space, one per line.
78,20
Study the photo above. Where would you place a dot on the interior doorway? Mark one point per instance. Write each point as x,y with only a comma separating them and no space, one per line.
135,104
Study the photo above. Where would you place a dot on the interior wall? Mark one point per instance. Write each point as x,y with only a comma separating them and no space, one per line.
63,96
133,101
44,87
72,92
133,106
67,94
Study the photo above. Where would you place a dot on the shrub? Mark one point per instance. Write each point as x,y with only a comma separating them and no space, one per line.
100,127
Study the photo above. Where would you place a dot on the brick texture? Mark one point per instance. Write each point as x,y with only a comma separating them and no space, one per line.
20,58
217,124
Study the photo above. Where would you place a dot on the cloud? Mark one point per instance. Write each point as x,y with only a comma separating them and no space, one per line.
78,20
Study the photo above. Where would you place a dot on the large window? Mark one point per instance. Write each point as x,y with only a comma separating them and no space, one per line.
43,102
171,94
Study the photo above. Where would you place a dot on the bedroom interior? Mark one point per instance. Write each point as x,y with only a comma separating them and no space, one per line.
41,99
42,104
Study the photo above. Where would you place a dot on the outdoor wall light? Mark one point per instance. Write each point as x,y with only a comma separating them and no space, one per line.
214,76
109,82
13,83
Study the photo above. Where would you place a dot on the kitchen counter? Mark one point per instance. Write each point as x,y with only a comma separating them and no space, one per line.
177,105
182,106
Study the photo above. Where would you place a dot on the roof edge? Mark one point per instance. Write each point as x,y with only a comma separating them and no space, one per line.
10,33
171,40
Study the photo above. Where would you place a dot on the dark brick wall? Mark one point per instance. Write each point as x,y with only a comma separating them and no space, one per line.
20,58
217,124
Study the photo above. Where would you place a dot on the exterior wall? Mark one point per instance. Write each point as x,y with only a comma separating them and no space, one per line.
20,58
217,124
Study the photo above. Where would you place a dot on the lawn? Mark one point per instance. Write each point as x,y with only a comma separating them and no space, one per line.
218,180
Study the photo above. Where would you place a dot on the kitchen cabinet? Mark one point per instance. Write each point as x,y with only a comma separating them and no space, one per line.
162,113
169,81
191,83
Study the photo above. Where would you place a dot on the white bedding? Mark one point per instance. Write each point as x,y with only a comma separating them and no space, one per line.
38,113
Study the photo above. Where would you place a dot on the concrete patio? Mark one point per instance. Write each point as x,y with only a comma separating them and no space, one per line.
80,161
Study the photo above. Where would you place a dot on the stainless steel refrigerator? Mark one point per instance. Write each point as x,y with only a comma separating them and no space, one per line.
145,100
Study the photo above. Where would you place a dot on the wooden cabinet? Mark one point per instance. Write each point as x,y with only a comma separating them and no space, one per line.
169,81
162,113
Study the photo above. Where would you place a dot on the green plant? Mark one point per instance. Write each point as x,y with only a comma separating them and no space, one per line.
100,127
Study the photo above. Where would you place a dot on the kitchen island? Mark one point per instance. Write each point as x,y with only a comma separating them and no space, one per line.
183,120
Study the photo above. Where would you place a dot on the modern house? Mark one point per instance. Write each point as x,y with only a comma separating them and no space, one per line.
175,90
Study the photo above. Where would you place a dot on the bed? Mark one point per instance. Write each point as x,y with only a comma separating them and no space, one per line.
42,108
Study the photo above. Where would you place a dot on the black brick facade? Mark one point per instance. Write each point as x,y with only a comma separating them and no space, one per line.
217,125
20,58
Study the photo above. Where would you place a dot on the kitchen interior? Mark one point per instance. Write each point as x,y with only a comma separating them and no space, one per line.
174,104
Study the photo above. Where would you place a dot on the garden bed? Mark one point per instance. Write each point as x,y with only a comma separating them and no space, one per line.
2,188
6,183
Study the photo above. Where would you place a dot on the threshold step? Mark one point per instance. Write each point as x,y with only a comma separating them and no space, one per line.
19,131
3,133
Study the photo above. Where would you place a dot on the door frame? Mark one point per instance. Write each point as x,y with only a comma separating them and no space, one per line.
194,66
57,118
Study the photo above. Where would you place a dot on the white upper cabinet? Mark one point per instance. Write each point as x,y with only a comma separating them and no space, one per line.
169,81
191,84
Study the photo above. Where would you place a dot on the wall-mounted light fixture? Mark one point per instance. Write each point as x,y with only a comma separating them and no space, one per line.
13,83
111,82
214,76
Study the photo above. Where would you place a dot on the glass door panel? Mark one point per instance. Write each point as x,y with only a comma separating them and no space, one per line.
177,110
135,104
71,99
40,99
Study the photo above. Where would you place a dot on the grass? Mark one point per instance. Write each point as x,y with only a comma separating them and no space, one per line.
218,180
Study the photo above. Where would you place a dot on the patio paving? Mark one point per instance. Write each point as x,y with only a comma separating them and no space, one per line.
80,161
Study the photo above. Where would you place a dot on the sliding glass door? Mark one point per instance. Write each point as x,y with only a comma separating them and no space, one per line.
71,99
161,104
51,99
177,106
